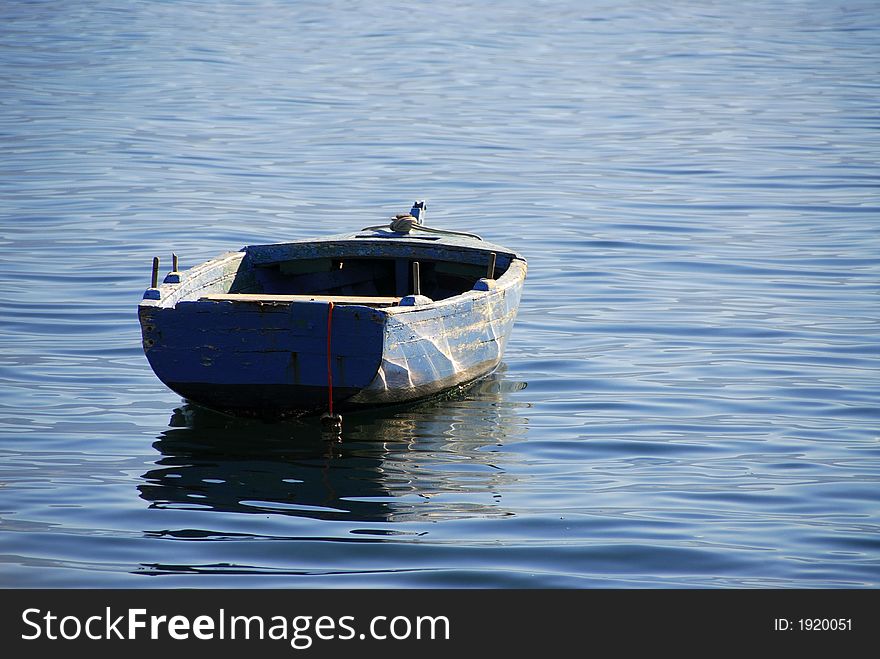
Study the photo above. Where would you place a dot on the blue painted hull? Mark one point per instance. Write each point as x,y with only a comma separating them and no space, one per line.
258,352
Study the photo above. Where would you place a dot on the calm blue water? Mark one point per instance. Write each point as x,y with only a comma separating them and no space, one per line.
690,395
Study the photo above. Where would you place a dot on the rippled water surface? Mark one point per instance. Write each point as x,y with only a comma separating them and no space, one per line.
690,394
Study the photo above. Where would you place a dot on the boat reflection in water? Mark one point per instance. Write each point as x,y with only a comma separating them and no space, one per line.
425,462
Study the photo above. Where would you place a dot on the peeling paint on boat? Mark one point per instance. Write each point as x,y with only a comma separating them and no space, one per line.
429,350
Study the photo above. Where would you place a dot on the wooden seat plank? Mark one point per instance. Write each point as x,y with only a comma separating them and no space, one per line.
366,300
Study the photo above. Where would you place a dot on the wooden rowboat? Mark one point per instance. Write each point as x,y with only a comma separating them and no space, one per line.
388,314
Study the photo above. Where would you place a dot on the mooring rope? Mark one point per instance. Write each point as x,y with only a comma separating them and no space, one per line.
405,223
329,358
332,422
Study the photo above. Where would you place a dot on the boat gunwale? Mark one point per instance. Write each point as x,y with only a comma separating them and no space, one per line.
189,289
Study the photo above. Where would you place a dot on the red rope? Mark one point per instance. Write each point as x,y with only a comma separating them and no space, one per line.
329,361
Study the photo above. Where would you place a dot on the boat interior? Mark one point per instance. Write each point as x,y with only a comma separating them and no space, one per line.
365,280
